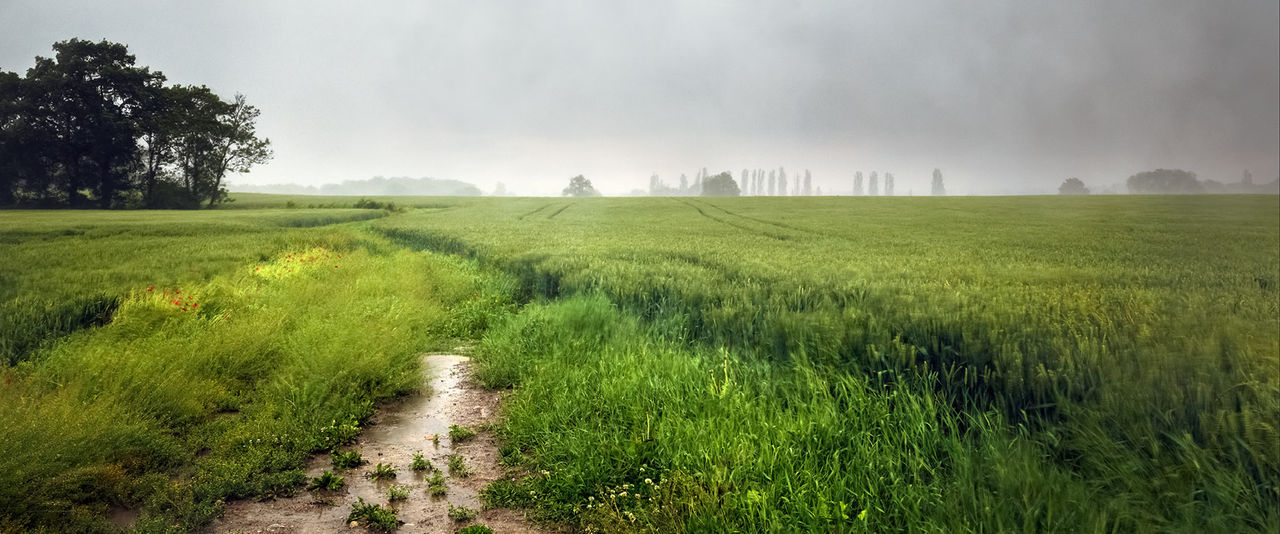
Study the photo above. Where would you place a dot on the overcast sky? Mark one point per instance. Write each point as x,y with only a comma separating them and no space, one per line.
1003,96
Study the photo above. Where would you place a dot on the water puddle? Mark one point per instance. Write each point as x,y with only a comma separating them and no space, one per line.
394,435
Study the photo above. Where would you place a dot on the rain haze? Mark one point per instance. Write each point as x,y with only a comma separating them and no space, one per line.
1004,97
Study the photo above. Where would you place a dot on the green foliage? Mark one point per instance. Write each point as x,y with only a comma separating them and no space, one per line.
367,204
171,410
338,434
436,485
459,434
475,529
986,307
457,468
90,124
346,459
751,364
93,260
327,481
382,472
398,493
461,513
373,516
420,463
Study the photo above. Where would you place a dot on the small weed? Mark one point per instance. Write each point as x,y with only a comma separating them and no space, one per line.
327,481
457,468
459,434
420,464
461,513
338,434
398,493
373,516
347,459
436,485
382,471
475,529
435,440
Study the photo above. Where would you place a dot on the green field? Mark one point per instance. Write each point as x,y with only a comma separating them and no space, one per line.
678,364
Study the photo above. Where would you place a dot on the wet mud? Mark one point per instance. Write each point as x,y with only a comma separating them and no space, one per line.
394,434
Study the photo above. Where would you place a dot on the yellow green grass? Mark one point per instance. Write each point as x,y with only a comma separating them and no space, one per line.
1121,351
750,364
208,390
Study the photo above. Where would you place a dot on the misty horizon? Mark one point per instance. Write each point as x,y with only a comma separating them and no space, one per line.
1007,98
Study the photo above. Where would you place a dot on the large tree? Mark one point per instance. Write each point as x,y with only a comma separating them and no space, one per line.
938,189
86,102
89,124
579,186
1072,186
237,147
720,185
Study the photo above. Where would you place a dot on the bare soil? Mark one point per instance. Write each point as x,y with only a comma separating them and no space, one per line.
396,432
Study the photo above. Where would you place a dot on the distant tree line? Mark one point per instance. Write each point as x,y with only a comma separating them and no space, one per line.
90,127
1180,182
751,182
376,186
1176,182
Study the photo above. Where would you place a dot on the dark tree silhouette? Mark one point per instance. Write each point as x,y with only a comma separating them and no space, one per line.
89,125
1072,186
1165,182
938,189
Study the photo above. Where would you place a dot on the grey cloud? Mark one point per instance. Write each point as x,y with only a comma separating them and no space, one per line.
1004,96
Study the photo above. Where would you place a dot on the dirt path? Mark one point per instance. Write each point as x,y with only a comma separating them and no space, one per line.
397,432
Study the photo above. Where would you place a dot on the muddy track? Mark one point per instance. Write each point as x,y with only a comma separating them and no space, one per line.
397,432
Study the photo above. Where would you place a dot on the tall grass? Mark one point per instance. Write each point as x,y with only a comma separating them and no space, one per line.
62,271
624,430
1132,339
207,391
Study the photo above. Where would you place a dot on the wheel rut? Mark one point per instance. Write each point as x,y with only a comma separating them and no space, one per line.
393,436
